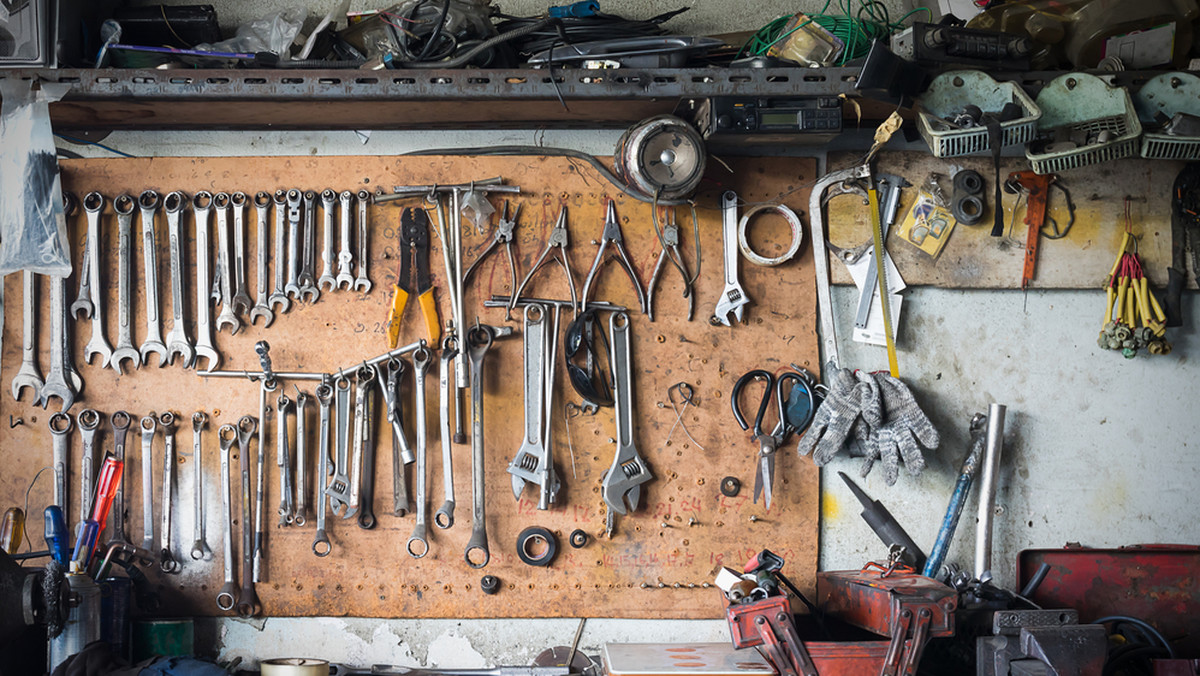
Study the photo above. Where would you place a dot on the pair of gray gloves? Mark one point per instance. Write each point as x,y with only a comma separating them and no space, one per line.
873,416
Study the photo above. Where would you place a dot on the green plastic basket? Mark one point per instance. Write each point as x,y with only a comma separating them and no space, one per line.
1168,93
1082,102
947,95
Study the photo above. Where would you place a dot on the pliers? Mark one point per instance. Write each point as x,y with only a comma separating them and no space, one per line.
764,478
612,235
502,235
557,240
414,260
670,238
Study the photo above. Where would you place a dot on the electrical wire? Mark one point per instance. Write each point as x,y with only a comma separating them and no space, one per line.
856,29
583,29
85,142
1141,624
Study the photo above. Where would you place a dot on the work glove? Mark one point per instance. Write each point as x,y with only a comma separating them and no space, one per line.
896,439
852,405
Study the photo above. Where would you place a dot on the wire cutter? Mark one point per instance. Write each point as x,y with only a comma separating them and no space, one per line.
768,443
502,235
557,240
670,240
414,261
612,235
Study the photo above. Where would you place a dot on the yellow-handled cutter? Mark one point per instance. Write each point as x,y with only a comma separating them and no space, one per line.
413,277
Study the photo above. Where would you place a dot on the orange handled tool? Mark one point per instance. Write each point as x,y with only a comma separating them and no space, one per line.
413,278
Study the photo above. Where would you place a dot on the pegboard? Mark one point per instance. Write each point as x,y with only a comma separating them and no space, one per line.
659,559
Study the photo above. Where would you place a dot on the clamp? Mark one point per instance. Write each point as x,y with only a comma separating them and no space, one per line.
612,235
670,242
413,276
503,235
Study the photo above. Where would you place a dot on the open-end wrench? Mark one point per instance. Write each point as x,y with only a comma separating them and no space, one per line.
241,297
292,288
262,307
362,282
227,597
402,454
153,343
120,422
283,459
167,562
366,509
93,205
260,486
83,307
201,208
418,544
89,425
247,604
29,375
300,508
623,483
531,456
321,545
479,341
124,205
328,203
58,380
345,257
148,426
444,517
362,395
308,266
227,316
178,343
339,484
733,297
61,425
200,549
278,297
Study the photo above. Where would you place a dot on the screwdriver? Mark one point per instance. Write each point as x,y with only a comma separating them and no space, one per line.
55,533
12,530
106,490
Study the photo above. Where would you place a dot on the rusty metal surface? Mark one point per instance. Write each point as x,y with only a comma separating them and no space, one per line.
368,573
871,602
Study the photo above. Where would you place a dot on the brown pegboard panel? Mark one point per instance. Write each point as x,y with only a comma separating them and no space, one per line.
646,570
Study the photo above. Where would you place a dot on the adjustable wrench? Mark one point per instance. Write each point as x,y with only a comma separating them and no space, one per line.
262,307
148,205
293,263
526,465
260,487
177,339
120,422
227,316
247,605
167,562
123,205
321,545
29,375
227,597
345,257
366,511
278,297
629,471
339,484
328,203
733,298
362,282
89,424
149,425
61,426
93,205
362,438
283,459
241,297
444,517
307,278
201,207
200,549
59,382
479,341
417,544
401,453
300,510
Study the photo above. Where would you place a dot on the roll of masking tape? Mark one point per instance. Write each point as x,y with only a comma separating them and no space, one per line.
294,666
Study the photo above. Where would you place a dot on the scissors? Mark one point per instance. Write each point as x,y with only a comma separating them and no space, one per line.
794,411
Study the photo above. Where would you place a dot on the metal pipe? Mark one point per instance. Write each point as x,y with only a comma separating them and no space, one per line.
300,375
958,498
987,492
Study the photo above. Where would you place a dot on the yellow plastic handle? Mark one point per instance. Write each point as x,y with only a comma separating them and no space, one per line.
433,325
399,300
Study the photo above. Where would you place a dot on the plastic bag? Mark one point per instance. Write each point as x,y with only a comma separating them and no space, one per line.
33,229
273,33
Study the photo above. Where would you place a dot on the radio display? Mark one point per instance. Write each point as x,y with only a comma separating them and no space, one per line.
785,119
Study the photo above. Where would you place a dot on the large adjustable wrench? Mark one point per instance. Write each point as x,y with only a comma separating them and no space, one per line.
328,204
733,298
444,517
153,344
227,597
321,545
28,375
339,484
89,425
93,205
262,306
628,472
418,545
167,562
177,338
531,459
201,208
124,205
227,316
120,422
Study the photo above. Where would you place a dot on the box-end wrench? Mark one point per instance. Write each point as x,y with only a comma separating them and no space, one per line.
120,422
29,375
444,517
479,341
178,343
339,484
61,425
167,562
153,344
247,604
345,257
292,288
300,510
418,544
366,510
241,297
321,545
93,205
260,486
201,208
283,459
278,297
89,426
364,381
59,382
200,549
402,454
308,266
124,205
733,297
148,426
362,282
328,204
262,307
227,597
227,316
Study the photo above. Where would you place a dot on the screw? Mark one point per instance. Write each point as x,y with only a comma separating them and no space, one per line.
692,521
664,524
753,518
645,586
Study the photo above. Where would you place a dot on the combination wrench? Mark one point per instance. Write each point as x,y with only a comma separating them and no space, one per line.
29,375
123,206
93,205
227,316
366,510
328,203
321,545
300,511
402,454
61,425
60,382
345,257
362,403
479,341
120,422
307,278
148,426
339,483
418,545
153,344
260,487
200,549
247,604
83,307
292,288
202,203
178,343
262,306
227,597
283,459
362,282
167,562
241,297
89,426
278,297
444,517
